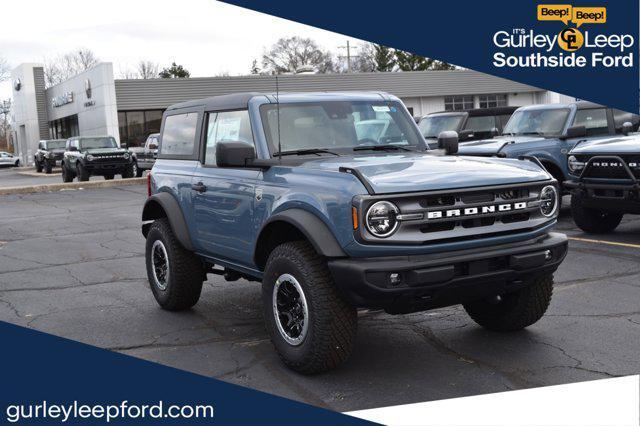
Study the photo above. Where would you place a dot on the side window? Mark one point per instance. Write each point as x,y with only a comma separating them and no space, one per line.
503,119
41,145
594,120
179,134
230,126
480,124
620,117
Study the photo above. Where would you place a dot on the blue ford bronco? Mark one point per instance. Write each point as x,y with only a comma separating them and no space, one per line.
604,181
297,192
549,131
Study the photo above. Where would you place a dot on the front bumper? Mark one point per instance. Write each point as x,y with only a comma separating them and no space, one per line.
619,197
444,279
97,167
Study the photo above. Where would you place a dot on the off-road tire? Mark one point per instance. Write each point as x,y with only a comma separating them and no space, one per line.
48,167
108,177
128,171
516,310
592,220
186,272
332,321
83,174
67,176
38,166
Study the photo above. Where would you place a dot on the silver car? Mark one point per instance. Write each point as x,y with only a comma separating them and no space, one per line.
8,159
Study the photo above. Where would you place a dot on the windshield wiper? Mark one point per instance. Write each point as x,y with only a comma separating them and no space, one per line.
533,133
309,151
381,148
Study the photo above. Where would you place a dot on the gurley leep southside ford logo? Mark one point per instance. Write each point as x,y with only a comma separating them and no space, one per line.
576,47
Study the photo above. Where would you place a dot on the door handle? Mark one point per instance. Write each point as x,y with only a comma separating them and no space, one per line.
199,187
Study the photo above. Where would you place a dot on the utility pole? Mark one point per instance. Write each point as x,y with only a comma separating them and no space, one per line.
348,47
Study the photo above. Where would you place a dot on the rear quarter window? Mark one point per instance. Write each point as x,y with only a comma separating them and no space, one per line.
179,135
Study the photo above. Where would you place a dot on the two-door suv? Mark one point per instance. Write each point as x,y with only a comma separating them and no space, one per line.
96,155
604,181
549,131
49,153
283,190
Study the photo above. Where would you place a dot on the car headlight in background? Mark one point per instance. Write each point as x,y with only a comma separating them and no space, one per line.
574,164
548,200
381,219
90,157
126,155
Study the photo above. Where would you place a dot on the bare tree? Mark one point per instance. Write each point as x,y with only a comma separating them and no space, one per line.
127,73
4,69
63,67
148,69
291,54
5,125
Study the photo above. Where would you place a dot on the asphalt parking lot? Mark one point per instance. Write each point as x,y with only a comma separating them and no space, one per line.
72,264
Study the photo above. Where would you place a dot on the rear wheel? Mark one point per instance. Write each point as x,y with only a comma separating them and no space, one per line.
514,311
83,174
175,274
311,326
592,220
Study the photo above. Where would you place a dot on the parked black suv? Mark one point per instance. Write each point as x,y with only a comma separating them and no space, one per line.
471,125
96,155
49,153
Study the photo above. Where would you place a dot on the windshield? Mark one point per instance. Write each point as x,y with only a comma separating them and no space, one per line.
56,144
93,143
432,125
543,122
480,124
338,126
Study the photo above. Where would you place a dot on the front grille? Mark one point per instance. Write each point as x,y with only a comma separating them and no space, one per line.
603,167
464,214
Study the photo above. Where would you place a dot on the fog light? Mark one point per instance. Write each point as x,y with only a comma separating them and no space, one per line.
395,278
548,255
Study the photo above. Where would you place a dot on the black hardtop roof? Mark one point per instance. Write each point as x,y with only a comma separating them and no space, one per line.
588,105
232,101
480,112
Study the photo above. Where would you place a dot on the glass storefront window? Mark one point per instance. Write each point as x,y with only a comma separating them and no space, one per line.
135,126
64,128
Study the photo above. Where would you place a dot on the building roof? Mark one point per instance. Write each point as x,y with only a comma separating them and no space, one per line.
161,93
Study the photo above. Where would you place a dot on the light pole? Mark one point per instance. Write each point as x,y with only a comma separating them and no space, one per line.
348,47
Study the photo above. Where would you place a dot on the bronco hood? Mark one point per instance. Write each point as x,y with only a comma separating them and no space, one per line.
104,151
617,145
488,147
410,172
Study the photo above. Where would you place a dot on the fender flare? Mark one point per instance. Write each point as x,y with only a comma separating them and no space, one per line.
164,204
311,226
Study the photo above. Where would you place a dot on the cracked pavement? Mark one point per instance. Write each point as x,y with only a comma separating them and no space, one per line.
72,264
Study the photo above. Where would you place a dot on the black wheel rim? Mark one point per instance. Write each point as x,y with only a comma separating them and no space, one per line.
290,309
160,265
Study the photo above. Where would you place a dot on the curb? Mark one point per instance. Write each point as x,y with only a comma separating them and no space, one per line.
71,185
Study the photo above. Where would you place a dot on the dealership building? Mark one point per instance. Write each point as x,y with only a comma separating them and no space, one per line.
95,103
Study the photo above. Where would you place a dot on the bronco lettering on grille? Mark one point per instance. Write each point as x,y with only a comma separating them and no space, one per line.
473,211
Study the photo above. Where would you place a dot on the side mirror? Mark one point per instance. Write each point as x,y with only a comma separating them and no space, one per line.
448,140
73,148
576,132
495,132
153,146
627,127
234,154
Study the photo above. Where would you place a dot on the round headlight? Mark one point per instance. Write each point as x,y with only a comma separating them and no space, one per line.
574,164
126,155
548,201
90,157
381,219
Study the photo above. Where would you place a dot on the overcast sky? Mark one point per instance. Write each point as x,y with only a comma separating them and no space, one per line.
206,36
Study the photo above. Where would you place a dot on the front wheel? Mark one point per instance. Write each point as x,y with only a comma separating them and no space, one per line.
311,326
514,311
139,171
17,163
108,177
83,174
38,166
175,274
592,220
67,176
48,167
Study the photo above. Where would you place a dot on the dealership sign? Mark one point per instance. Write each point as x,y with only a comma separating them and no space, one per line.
65,98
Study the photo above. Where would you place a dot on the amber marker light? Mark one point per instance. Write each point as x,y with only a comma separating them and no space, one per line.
354,216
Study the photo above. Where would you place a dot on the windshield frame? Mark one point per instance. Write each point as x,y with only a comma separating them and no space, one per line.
272,145
569,117
83,147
